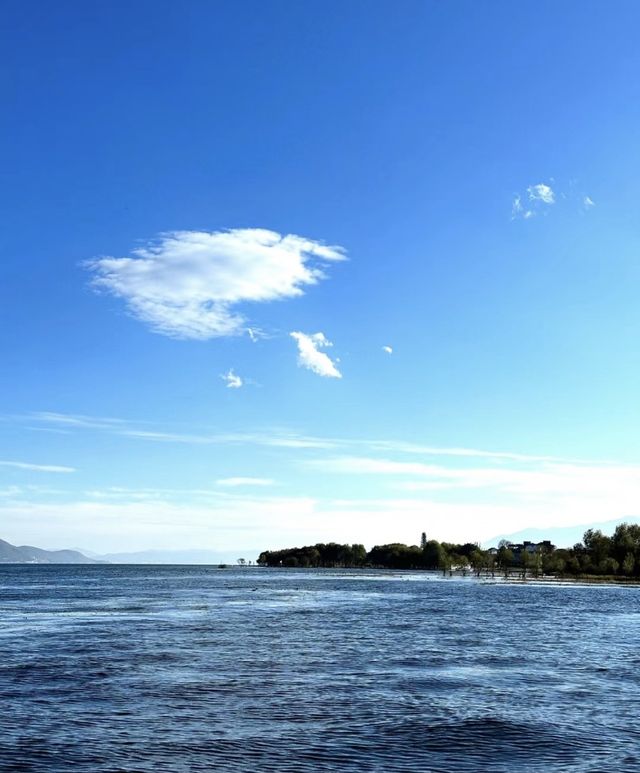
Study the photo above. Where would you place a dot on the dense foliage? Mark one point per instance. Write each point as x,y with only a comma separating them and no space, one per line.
597,554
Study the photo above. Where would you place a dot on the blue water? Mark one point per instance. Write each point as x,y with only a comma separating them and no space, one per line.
172,669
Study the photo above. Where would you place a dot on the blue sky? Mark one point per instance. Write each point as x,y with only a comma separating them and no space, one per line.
185,187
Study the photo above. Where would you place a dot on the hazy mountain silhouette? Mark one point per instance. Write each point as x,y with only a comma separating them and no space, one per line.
561,536
179,557
27,554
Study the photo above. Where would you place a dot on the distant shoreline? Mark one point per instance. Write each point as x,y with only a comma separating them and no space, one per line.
497,579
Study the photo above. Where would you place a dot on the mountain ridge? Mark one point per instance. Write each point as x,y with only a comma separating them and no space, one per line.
562,536
176,556
28,554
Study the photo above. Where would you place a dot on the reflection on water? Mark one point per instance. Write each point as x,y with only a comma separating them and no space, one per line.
172,669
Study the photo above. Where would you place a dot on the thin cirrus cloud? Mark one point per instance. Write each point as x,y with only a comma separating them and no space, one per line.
559,481
189,284
274,437
240,481
310,356
37,467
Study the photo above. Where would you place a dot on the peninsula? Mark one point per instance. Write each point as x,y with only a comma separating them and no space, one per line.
597,555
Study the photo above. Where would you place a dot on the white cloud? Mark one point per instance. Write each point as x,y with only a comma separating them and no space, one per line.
555,482
387,349
464,494
232,380
37,467
541,192
538,197
275,437
78,420
518,210
188,284
235,482
310,356
264,522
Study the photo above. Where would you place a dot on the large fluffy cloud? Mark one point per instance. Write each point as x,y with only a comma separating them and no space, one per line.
310,356
188,284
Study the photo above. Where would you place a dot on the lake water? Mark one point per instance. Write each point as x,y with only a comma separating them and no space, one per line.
172,669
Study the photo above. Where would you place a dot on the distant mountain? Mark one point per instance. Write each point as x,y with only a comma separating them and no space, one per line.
180,557
561,536
26,554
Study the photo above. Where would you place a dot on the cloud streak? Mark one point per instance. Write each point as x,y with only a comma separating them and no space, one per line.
190,284
56,468
554,480
275,437
240,481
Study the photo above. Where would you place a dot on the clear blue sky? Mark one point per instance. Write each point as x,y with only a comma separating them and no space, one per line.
478,166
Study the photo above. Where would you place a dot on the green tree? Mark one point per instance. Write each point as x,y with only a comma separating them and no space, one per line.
433,555
597,546
478,561
505,558
358,555
628,565
608,566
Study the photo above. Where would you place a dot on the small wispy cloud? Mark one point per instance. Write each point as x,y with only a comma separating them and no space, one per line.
518,210
541,192
37,467
240,481
537,198
255,334
387,349
188,284
310,356
232,380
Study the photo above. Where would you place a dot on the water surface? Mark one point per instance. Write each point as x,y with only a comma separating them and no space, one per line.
172,669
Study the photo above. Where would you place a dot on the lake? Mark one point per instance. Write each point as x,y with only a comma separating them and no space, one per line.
172,669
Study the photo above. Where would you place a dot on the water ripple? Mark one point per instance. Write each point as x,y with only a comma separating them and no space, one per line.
141,669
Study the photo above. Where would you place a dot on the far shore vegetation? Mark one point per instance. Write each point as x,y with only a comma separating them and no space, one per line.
597,556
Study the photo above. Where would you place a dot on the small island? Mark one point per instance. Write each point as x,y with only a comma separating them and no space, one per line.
597,556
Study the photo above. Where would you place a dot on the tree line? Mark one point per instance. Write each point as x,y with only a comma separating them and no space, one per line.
597,555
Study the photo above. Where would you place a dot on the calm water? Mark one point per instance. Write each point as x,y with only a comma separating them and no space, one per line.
200,669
